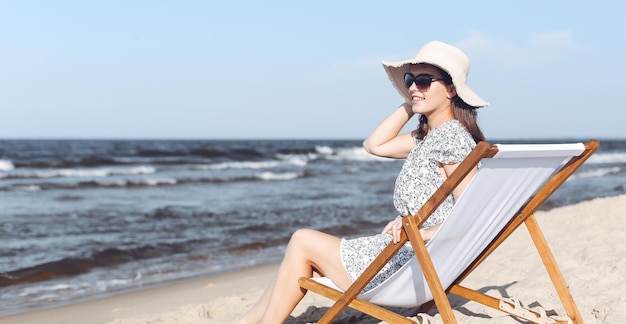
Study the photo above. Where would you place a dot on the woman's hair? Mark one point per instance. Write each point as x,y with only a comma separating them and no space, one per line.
461,111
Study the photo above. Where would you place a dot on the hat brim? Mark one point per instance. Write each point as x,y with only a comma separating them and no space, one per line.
444,56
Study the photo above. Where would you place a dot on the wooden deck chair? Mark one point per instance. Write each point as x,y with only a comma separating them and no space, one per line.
511,183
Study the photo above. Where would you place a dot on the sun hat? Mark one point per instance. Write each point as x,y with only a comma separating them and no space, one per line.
444,56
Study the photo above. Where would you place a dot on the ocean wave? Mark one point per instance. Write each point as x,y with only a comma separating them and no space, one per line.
272,176
324,149
159,182
297,159
23,188
62,161
239,165
595,173
6,165
120,183
79,173
300,159
73,266
607,158
152,182
355,154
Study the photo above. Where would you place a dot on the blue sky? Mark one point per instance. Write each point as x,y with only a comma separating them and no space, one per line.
299,69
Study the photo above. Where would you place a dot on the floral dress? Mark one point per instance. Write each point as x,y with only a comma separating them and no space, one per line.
419,178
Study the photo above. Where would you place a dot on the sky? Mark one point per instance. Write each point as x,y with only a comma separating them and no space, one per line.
299,69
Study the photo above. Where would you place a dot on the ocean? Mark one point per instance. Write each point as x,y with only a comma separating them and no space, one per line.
81,219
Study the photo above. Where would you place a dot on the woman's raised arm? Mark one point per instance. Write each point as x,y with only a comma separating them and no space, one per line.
386,140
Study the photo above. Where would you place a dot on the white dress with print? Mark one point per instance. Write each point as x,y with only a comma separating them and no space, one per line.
419,178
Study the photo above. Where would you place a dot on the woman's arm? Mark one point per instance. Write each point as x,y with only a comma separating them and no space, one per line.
385,140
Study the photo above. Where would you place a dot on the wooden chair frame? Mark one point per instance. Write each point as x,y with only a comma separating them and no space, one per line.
411,233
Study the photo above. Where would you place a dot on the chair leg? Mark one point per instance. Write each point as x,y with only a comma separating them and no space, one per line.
553,269
428,269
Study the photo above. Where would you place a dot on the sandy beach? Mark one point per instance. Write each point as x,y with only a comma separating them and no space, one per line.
586,239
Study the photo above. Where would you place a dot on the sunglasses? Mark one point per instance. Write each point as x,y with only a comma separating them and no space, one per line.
422,81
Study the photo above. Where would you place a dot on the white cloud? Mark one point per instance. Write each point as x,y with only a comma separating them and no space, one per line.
538,49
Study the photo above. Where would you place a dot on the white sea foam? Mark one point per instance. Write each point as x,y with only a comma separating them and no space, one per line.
156,182
300,160
240,165
144,182
605,158
98,172
44,288
323,149
6,165
601,172
26,188
270,176
285,159
356,154
297,159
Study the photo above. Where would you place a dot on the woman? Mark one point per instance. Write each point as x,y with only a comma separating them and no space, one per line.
433,85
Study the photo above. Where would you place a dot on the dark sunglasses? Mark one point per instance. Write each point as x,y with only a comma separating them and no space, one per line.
422,81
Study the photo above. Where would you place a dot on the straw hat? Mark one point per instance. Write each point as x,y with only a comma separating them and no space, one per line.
445,57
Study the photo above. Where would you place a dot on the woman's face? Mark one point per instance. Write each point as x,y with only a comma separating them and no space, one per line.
435,102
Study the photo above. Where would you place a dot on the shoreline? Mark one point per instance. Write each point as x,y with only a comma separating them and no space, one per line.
146,300
585,239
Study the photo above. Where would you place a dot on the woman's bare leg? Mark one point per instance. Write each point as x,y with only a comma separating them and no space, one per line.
257,311
308,251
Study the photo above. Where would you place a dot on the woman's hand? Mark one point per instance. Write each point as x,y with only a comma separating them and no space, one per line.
394,228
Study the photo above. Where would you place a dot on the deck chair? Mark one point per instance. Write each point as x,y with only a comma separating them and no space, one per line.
511,183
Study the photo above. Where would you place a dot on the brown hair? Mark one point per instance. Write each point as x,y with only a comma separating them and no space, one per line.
461,111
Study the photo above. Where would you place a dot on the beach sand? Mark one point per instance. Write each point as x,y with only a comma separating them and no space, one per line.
587,240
